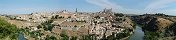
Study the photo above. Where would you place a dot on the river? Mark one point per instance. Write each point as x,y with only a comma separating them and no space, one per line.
21,37
138,34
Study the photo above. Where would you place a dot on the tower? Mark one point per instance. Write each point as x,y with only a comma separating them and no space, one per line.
107,10
76,10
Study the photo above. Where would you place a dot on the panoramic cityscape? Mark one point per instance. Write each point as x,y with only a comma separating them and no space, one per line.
87,20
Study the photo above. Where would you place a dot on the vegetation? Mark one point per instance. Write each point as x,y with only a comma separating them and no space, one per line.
50,38
35,34
119,14
47,25
69,16
81,21
39,26
118,19
118,36
74,38
161,14
88,37
56,17
7,30
151,35
11,17
171,30
64,36
97,17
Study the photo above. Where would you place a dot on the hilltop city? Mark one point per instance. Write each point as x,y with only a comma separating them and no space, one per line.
103,25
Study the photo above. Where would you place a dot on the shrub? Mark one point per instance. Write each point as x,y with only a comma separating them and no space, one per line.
64,36
47,25
7,30
50,38
73,38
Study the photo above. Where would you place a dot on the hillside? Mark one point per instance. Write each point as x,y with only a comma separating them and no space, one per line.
155,26
7,31
65,25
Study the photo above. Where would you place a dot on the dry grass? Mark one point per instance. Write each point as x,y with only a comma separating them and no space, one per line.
72,23
163,23
19,24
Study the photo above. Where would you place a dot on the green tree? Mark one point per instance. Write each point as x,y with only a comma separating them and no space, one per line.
47,25
88,37
64,36
119,14
7,30
56,16
50,38
98,17
151,35
69,16
73,38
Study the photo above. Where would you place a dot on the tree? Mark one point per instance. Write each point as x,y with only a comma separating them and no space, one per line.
89,37
64,36
151,35
53,17
98,17
50,38
47,25
119,14
75,26
7,30
56,17
73,38
69,16
39,26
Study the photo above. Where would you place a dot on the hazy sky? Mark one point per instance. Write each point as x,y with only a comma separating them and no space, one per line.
123,6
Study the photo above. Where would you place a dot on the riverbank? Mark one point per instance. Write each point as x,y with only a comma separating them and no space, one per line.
138,34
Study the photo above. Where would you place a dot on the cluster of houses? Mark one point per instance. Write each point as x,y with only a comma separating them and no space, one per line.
103,26
100,23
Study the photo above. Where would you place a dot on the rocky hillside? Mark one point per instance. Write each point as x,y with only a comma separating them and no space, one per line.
155,25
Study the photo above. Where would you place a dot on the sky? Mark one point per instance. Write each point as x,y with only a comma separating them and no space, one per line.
122,6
